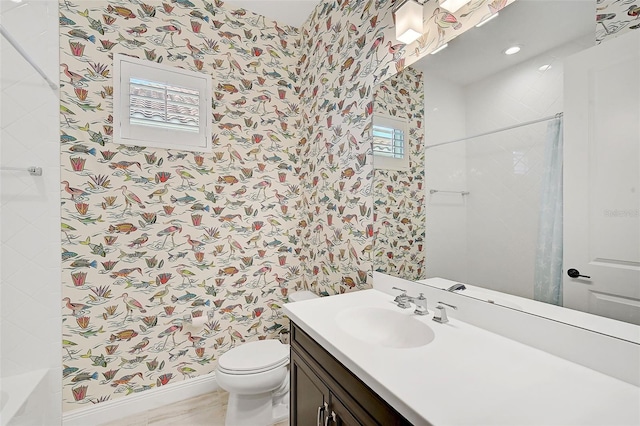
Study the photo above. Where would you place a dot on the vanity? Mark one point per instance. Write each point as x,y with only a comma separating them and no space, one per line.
323,387
358,358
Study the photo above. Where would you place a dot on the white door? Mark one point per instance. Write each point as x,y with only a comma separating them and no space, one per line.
602,179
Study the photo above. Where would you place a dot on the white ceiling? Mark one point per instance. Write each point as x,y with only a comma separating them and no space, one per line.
536,25
290,12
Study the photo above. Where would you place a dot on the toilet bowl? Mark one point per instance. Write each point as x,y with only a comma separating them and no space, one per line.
256,375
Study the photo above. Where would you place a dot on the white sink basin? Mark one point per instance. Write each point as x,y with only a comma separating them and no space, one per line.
385,327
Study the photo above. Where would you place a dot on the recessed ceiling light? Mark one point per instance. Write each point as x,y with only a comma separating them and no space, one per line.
544,67
512,50
440,48
481,23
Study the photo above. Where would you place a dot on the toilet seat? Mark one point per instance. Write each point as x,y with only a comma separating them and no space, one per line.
254,357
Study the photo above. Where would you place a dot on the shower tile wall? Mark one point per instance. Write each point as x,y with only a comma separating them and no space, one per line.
29,206
445,169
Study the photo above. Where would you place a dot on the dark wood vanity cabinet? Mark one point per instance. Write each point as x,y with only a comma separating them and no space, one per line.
325,393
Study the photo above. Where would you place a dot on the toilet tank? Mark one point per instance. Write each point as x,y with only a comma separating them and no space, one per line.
297,296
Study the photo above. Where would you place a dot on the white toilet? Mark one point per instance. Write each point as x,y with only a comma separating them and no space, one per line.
256,375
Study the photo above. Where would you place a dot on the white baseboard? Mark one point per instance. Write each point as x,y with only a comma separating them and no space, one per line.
110,411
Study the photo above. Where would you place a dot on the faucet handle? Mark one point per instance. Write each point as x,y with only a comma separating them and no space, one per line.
451,306
402,300
440,314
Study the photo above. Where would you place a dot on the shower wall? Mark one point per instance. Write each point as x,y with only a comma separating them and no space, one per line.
29,205
501,171
445,169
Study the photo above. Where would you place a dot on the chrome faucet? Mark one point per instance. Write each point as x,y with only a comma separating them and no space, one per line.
404,301
456,287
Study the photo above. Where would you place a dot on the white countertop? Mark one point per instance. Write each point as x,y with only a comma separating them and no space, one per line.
468,375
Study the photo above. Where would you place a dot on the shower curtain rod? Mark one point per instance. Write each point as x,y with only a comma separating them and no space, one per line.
526,123
26,56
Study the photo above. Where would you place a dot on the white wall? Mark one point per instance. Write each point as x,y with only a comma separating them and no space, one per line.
502,172
445,169
30,291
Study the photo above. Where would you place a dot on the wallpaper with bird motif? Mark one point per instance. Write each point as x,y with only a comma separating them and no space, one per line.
284,201
349,47
398,196
614,18
150,236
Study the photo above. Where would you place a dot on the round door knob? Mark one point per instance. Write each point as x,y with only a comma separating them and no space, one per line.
574,273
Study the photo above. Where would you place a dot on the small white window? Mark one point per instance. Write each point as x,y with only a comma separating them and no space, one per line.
160,106
390,143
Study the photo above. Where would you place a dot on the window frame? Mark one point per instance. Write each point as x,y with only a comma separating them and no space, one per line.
124,132
387,162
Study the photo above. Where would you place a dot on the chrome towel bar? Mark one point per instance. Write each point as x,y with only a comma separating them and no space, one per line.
33,170
433,191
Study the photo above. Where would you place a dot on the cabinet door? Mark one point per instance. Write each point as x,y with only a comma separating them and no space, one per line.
340,415
315,371
308,394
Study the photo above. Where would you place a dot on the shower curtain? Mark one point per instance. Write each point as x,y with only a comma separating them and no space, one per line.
548,263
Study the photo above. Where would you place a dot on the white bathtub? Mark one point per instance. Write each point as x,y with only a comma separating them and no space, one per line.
20,399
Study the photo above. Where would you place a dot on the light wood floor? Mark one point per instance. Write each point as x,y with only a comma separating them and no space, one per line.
206,410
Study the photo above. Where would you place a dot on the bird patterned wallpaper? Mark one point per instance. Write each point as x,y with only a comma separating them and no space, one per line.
398,196
150,237
349,47
615,17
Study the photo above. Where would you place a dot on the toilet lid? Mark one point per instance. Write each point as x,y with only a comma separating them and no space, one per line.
254,357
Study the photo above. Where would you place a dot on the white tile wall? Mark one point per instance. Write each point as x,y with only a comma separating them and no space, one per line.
498,220
445,169
30,289
504,175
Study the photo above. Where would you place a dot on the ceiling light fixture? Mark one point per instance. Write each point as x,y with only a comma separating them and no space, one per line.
491,17
409,21
544,67
512,50
453,5
440,48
